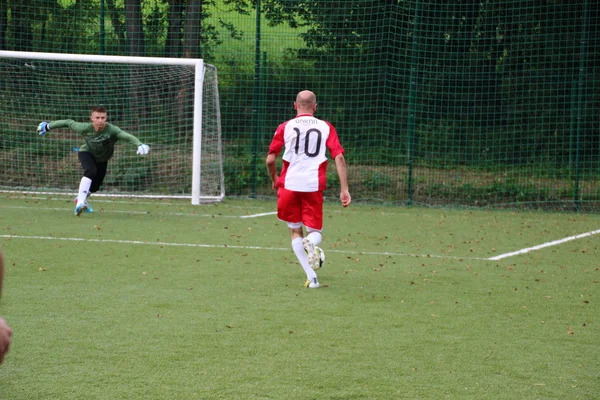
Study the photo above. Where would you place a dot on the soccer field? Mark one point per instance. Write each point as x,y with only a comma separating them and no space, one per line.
164,300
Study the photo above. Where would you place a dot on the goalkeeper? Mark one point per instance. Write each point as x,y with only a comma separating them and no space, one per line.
100,138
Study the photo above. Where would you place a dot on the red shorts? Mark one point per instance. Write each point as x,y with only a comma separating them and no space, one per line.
305,207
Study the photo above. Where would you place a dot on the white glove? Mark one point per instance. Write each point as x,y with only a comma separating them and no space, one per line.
43,128
143,149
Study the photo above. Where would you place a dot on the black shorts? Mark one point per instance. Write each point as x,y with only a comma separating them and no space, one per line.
92,169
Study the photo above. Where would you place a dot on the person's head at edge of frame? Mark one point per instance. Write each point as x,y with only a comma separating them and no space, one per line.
5,331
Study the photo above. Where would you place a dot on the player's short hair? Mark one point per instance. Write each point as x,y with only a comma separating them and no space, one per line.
99,109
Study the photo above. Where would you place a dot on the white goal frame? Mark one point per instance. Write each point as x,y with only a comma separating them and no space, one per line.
200,69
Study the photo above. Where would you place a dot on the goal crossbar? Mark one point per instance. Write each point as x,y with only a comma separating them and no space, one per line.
99,58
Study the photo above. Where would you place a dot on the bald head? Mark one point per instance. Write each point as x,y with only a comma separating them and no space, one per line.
306,102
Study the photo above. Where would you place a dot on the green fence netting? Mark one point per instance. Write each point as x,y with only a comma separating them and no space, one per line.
464,103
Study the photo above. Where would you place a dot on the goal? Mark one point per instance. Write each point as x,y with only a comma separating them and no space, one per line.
170,104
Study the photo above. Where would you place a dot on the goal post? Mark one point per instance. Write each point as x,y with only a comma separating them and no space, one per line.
171,104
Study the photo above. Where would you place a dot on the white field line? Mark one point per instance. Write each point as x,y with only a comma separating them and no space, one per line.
225,246
259,215
191,214
541,246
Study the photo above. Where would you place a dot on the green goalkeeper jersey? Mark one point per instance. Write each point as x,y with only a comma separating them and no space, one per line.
100,144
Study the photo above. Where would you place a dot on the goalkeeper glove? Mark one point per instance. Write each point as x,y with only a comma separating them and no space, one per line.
143,149
43,128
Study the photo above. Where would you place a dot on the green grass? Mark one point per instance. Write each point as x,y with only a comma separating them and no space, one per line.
164,300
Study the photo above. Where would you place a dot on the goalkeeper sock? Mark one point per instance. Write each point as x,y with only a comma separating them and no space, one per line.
303,258
84,189
315,237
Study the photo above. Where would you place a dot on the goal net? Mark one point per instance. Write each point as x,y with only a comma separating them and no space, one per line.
170,104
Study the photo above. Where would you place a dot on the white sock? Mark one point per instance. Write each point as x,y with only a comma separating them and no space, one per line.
303,258
84,189
315,237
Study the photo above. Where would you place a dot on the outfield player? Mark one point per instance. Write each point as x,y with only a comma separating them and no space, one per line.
100,138
5,331
302,179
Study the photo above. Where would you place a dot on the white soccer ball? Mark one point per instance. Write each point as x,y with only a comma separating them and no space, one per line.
321,255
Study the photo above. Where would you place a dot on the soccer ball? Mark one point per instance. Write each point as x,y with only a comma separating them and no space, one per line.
321,255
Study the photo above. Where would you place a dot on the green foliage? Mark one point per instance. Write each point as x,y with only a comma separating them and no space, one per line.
8,140
377,181
239,174
246,175
131,175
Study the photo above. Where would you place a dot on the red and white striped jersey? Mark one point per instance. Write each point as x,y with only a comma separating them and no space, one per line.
306,139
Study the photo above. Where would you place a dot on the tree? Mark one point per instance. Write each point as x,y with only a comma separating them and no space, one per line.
118,24
173,44
135,32
192,29
21,26
3,10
